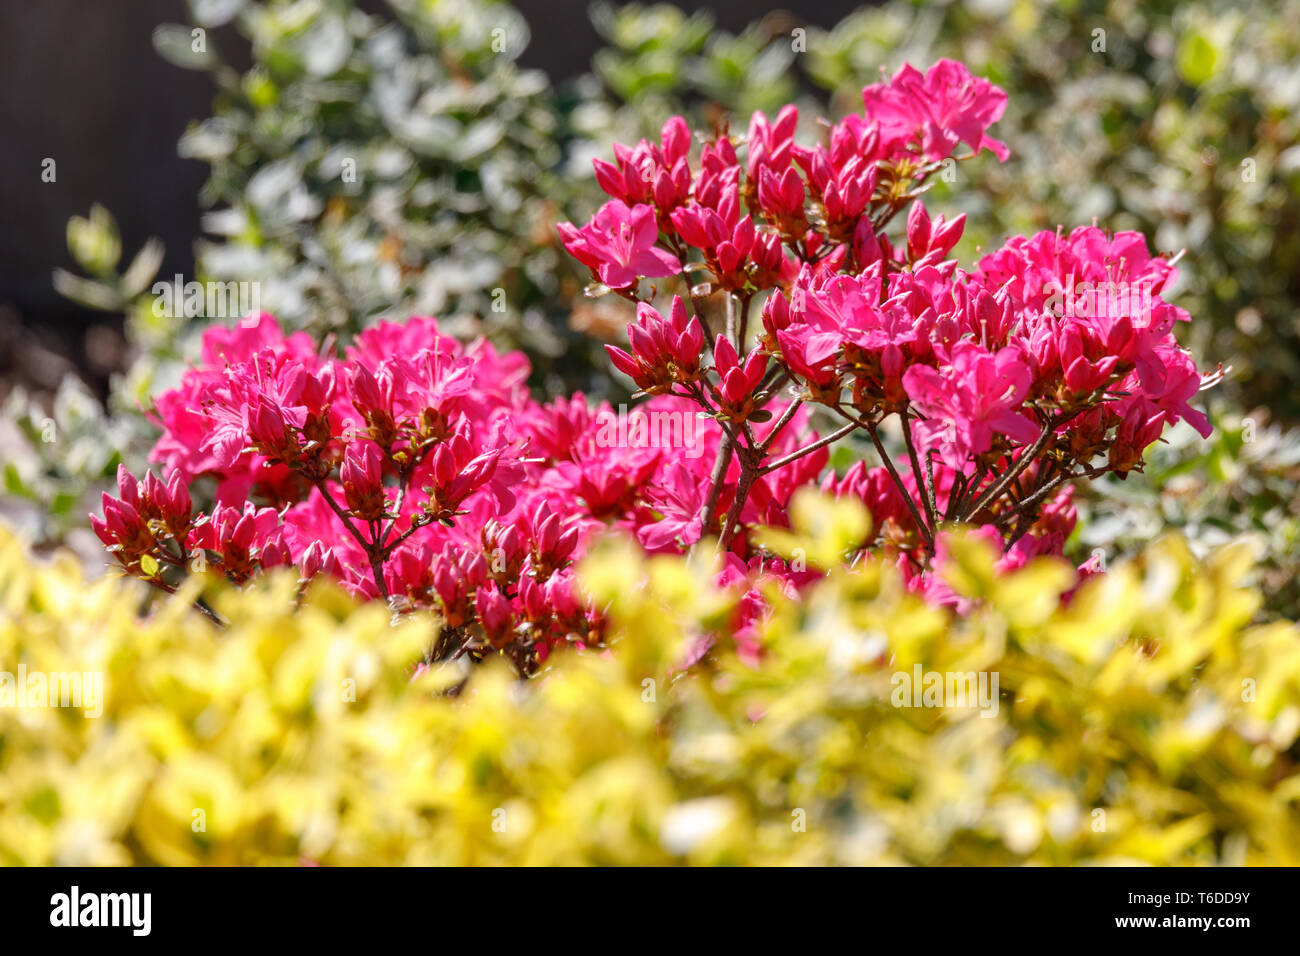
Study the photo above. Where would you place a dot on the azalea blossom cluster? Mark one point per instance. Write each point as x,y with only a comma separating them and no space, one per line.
416,470
1053,360
749,227
393,468
419,470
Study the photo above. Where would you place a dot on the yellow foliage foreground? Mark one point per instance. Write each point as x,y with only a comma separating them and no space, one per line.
1145,721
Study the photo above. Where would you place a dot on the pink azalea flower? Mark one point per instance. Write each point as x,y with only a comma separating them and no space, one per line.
942,107
619,245
975,398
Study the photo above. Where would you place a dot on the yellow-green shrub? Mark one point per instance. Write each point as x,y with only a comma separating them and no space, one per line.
1149,697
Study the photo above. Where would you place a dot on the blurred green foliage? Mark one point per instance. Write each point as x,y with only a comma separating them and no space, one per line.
658,58
55,462
365,166
1241,481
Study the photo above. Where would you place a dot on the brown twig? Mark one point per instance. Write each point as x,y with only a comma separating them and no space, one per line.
794,455
780,423
931,511
893,474
715,483
1020,464
369,547
748,473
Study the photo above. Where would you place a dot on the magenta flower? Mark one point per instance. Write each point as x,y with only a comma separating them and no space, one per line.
495,496
944,106
245,539
930,241
647,172
146,510
495,614
771,144
975,398
318,559
738,382
781,195
362,478
812,356
664,351
619,245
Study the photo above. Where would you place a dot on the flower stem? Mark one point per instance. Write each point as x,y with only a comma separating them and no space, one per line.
1020,464
369,547
715,484
931,512
748,472
819,443
893,474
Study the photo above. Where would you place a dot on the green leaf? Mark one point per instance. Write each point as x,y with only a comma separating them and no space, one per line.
143,268
14,483
63,502
94,242
87,292
1198,59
